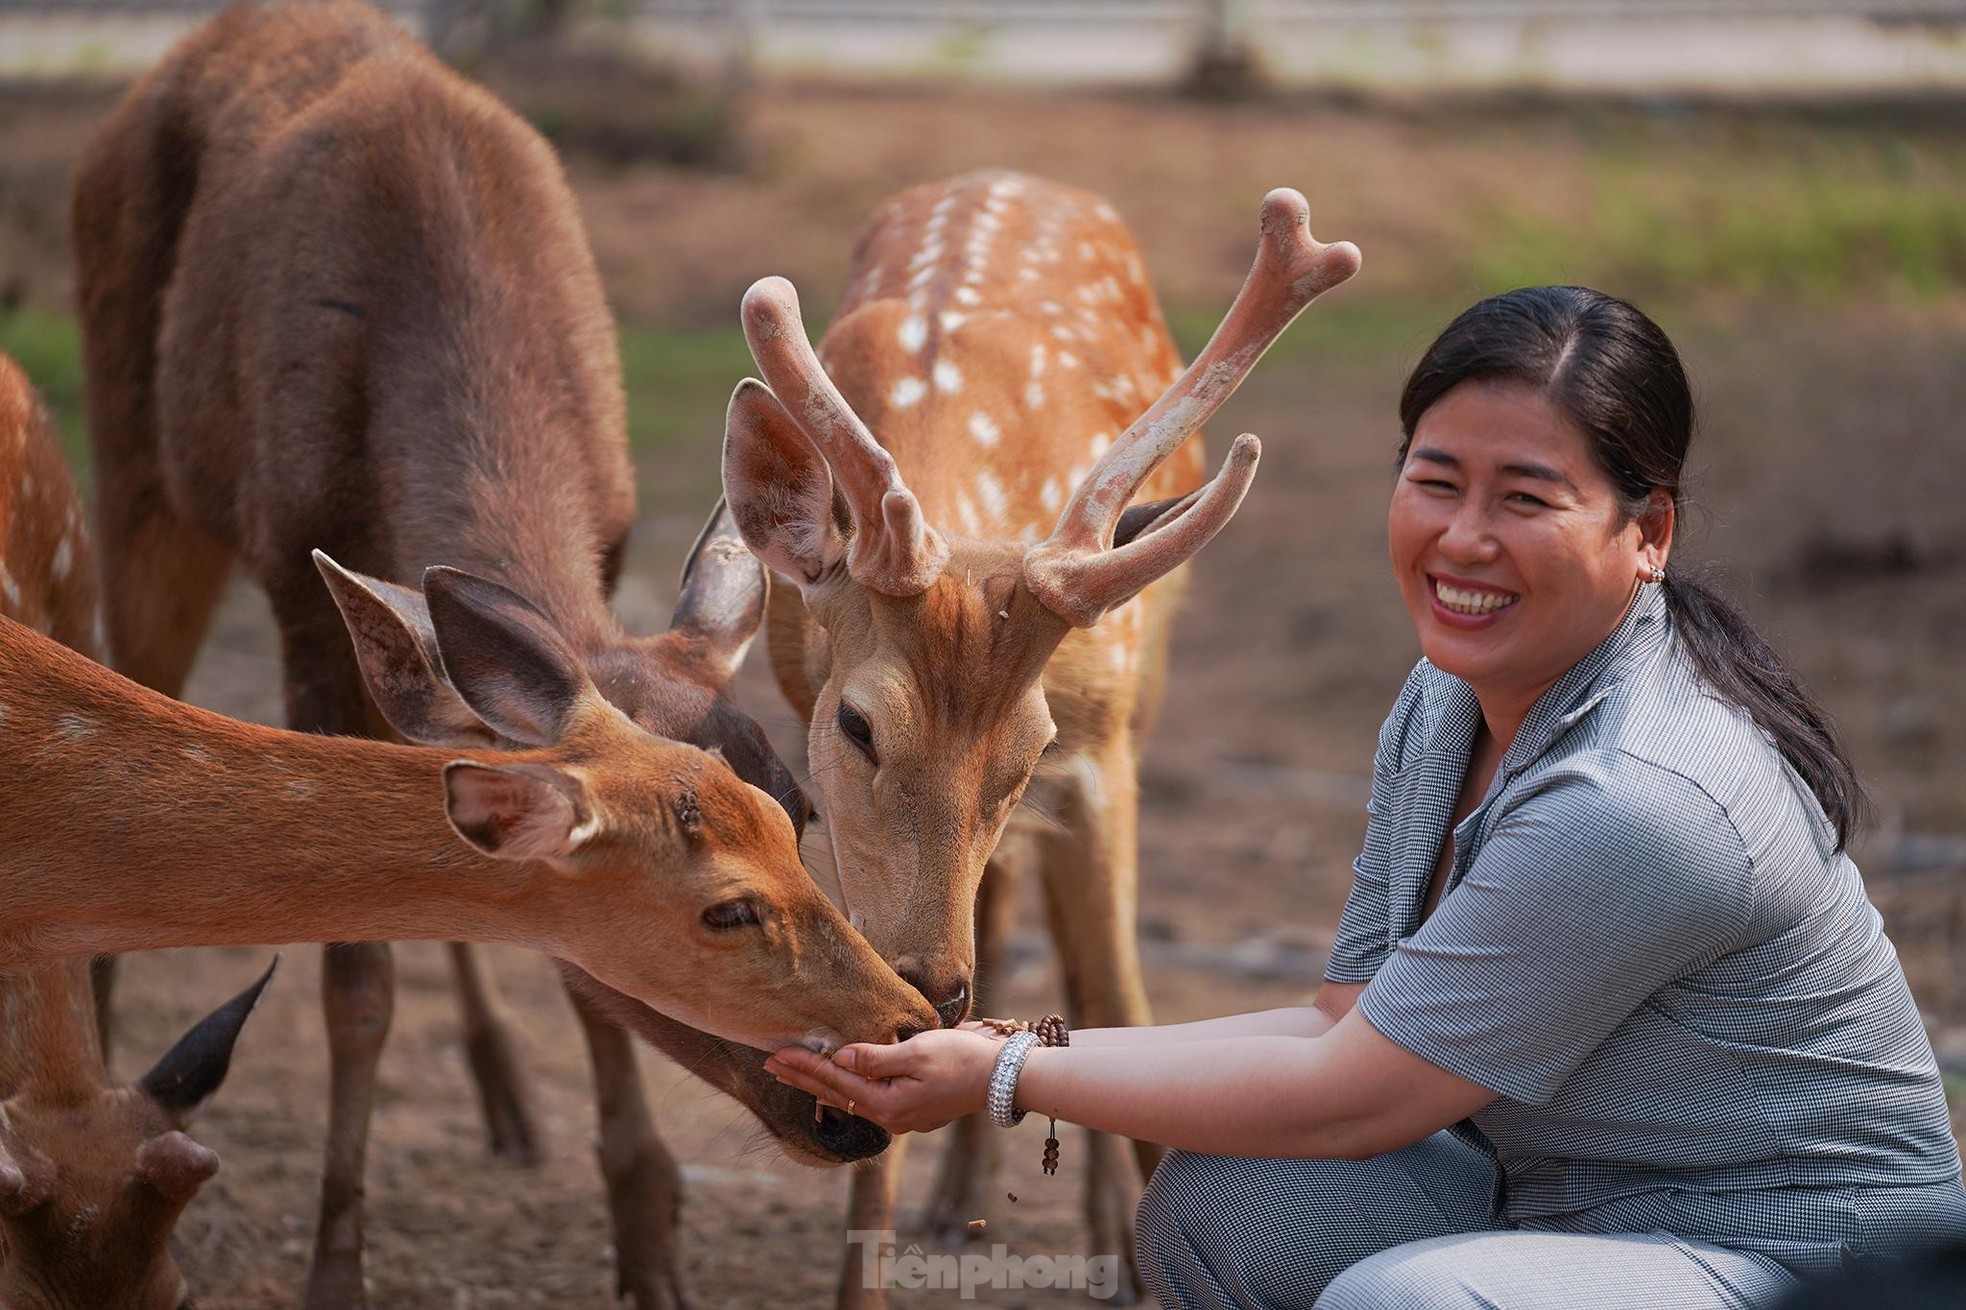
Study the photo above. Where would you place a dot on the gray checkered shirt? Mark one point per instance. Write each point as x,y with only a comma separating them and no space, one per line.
1648,945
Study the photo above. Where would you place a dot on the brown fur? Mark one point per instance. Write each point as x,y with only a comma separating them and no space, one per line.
99,1239
997,337
227,833
335,296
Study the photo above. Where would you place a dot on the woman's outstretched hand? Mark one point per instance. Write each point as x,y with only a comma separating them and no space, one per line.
910,1087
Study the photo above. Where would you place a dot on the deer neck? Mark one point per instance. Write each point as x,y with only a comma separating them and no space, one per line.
154,824
519,520
48,1038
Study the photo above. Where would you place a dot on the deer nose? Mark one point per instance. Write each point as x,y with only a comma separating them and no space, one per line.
950,998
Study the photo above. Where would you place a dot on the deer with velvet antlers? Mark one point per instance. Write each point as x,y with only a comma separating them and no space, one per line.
985,377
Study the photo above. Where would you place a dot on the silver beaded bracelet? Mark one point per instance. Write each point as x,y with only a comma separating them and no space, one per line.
1003,1079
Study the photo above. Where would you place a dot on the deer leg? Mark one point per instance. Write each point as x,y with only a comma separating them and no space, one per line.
491,1045
358,979
1091,879
971,1160
871,1203
358,991
645,1186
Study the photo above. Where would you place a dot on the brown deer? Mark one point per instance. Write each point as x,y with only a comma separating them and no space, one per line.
986,375
643,861
92,1175
333,295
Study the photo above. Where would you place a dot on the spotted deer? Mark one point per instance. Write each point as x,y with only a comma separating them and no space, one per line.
335,296
93,1174
947,482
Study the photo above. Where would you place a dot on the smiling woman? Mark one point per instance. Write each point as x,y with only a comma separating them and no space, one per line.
1608,1020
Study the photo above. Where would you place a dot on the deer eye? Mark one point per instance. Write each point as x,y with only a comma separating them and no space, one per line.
855,728
726,916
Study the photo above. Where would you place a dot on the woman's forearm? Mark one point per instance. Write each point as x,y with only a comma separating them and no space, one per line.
1294,1021
1251,1095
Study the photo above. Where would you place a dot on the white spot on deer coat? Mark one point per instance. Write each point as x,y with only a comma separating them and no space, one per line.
9,589
913,334
64,558
1051,495
947,376
1038,354
984,428
966,512
1066,359
995,499
1101,443
907,391
968,296
1034,395
951,320
75,727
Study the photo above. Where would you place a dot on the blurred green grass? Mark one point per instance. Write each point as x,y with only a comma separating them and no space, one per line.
1784,211
48,345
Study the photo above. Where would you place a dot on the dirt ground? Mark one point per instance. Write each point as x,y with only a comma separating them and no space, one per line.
1832,479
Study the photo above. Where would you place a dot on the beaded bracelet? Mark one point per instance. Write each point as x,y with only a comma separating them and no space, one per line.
1020,1036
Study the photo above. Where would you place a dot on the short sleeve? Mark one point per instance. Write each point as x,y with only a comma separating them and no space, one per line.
1364,934
1598,887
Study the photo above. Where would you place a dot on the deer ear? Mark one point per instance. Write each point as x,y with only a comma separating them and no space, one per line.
780,491
518,811
723,593
397,650
193,1069
504,657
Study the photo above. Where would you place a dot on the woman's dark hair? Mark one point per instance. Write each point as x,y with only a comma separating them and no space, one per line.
1617,377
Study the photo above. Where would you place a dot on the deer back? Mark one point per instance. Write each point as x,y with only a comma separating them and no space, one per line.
47,570
378,326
